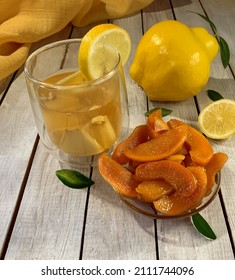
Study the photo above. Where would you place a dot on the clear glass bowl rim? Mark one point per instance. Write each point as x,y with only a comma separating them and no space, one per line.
207,201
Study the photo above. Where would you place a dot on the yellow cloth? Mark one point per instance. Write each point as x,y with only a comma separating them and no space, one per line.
23,22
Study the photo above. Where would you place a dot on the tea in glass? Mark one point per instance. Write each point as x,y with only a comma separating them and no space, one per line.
75,117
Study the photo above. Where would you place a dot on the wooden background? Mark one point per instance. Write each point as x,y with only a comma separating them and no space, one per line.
42,219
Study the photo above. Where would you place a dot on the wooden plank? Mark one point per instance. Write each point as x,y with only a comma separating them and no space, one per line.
177,239
224,83
217,72
18,133
49,224
50,220
222,14
4,84
113,231
40,248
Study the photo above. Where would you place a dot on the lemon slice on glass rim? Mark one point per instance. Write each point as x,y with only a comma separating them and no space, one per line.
96,53
216,120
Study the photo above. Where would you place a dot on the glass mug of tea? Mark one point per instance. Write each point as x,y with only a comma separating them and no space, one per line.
77,119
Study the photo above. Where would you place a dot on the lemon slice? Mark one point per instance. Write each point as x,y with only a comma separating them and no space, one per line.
96,54
75,78
216,120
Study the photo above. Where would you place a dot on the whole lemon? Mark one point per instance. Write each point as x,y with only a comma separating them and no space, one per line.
172,60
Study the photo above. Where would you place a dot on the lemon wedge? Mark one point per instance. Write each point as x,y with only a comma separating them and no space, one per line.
75,78
216,120
96,54
76,142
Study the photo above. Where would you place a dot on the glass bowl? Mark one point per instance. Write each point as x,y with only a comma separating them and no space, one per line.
147,209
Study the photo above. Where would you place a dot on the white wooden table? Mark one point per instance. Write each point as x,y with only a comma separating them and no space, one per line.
40,218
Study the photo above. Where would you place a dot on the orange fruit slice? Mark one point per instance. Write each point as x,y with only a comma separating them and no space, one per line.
160,147
200,148
156,124
153,190
117,176
138,136
175,174
214,165
176,204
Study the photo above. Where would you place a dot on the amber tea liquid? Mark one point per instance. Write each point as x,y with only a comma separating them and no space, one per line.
81,121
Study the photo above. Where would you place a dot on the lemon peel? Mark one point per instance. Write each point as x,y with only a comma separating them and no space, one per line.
172,60
96,53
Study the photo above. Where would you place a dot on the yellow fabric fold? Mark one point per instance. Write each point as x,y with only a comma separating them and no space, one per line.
23,22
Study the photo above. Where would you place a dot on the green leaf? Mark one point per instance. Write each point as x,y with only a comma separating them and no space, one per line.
214,95
224,51
73,179
202,226
165,112
206,18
